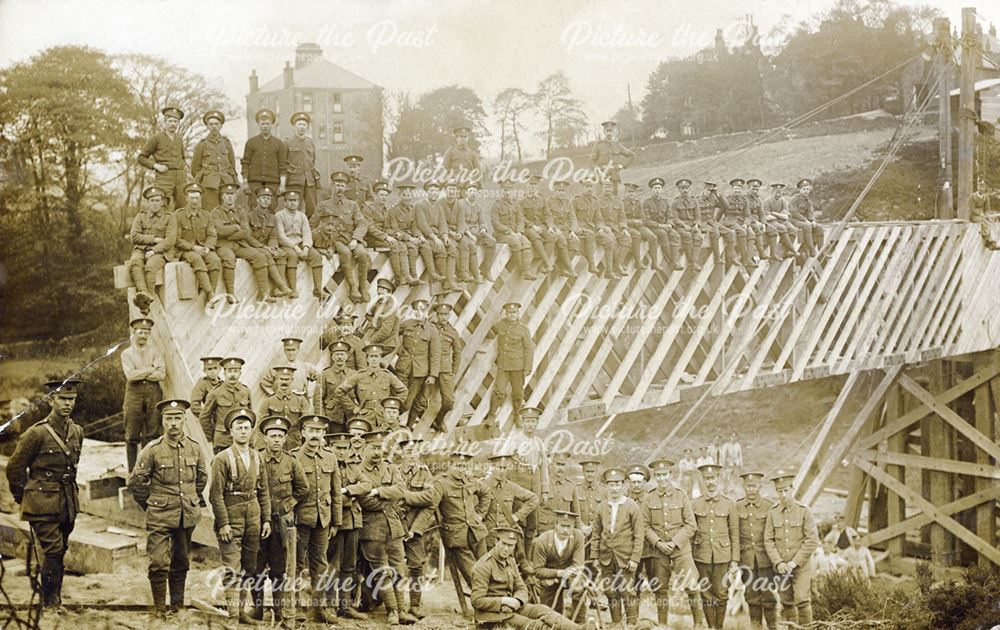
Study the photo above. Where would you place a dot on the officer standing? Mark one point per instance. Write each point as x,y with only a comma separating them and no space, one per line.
790,538
144,369
461,160
340,227
462,530
195,243
619,536
752,510
420,501
302,174
364,391
42,478
451,360
167,482
214,161
419,361
164,153
153,234
716,544
514,360
324,400
342,554
610,156
231,394
265,158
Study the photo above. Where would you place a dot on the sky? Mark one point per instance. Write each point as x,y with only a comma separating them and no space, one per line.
605,48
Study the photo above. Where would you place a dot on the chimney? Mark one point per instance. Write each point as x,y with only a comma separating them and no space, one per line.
306,53
253,82
289,74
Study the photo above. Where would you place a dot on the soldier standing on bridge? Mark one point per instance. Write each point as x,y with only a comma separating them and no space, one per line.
231,394
611,156
419,361
42,478
514,361
790,538
167,482
214,161
153,234
164,153
451,359
144,369
461,161
302,174
265,159
803,216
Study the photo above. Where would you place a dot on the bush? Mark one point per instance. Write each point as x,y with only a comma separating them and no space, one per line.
966,605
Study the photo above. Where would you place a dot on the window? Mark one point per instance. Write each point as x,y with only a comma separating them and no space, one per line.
322,132
307,103
335,103
687,130
338,132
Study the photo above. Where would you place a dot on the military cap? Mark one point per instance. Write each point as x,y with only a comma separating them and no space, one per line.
752,476
353,159
777,185
507,183
368,348
213,113
265,191
661,464
419,303
561,183
66,386
285,369
344,317
684,181
288,341
340,346
236,414
613,474
507,534
609,124
451,181
460,454
803,182
706,468
534,179
291,194
374,437
275,422
631,186
462,126
431,183
511,305
229,188
589,463
639,469
141,322
564,456
782,478
387,284
175,405
175,112
153,191
314,421
210,361
193,187
754,180
531,412
264,113
405,186
498,456
413,440
297,116
443,307
392,402
358,425
736,181
340,440
711,184
381,185
473,184
656,181
565,514
232,362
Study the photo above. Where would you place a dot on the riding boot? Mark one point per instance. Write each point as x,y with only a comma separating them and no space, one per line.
610,265
409,264
441,267
463,264
474,268
526,259
788,245
263,290
637,254
489,255
774,254
139,279
278,286
201,278
590,254
538,247
176,582
158,588
229,282
363,266
430,265
150,282
397,269
744,245
291,276
450,281
352,285
807,241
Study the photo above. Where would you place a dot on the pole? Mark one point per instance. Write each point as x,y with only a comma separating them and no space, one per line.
946,208
966,111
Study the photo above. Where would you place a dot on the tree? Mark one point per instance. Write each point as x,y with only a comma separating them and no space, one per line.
510,105
629,125
562,116
425,128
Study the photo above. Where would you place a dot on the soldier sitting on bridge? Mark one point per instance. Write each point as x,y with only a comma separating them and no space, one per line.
983,214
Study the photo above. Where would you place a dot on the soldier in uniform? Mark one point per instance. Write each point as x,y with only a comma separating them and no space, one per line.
419,361
144,369
716,544
661,219
341,227
669,525
302,174
450,366
803,216
752,511
592,494
790,538
461,525
287,403
478,231
509,228
153,234
342,553
564,495
432,226
563,226
619,535
756,218
613,215
638,480
205,384
304,379
265,158
341,328
392,411
379,234
558,558
214,161
324,399
638,230
515,358
41,474
779,225
287,486
506,503
231,394
234,238
420,500
363,392
241,505
359,187
167,482
713,207
164,153
592,229
454,216
610,156
405,230
461,161
732,217
381,322
531,463
535,211
319,515
264,236
689,223
296,240
195,243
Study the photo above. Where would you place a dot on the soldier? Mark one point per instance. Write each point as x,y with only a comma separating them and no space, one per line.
324,398
732,218
153,234
687,468
779,225
514,359
689,223
478,231
341,227
164,153
264,236
359,188
231,394
342,553
531,463
506,504
343,330
205,384
752,511
534,209
613,215
144,369
592,494
803,216
564,495
364,391
287,403
669,524
432,225
790,538
461,161
304,379
638,482
296,239
392,411
756,218
420,500
287,486
454,216
500,597
716,544
462,530
214,161
563,227
167,483
593,230
404,230
379,234
265,158
731,458
302,174
452,346
319,515
419,362
508,227
558,558
381,322
609,156
661,219
42,478
241,505
233,240
195,243
638,230
619,535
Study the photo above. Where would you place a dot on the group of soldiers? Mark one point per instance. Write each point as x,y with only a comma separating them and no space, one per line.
200,222
342,522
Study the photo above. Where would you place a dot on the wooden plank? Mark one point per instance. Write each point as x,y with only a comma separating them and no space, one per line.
917,521
819,443
986,515
925,339
882,458
956,421
973,266
931,297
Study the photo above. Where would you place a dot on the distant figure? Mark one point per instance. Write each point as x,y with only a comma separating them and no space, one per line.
705,457
841,534
687,467
982,213
731,459
859,559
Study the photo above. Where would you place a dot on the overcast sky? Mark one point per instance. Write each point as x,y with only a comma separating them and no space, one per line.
412,45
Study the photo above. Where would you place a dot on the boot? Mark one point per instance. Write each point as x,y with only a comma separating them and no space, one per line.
388,597
229,281
663,615
278,286
131,453
632,612
364,265
244,616
319,291
744,246
201,277
771,617
139,279
463,264
788,245
233,609
441,267
673,261
352,284
450,283
150,282
539,249
158,587
526,272
416,592
759,239
772,240
692,260
176,582
405,617
291,277
637,254
807,241
409,265
565,260
697,613
610,268
263,290
614,603
489,255
474,270
213,278
805,611
397,269
431,267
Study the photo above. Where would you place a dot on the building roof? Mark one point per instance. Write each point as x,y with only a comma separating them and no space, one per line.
985,84
320,74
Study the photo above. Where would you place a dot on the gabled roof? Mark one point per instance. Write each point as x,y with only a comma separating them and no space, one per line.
320,74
